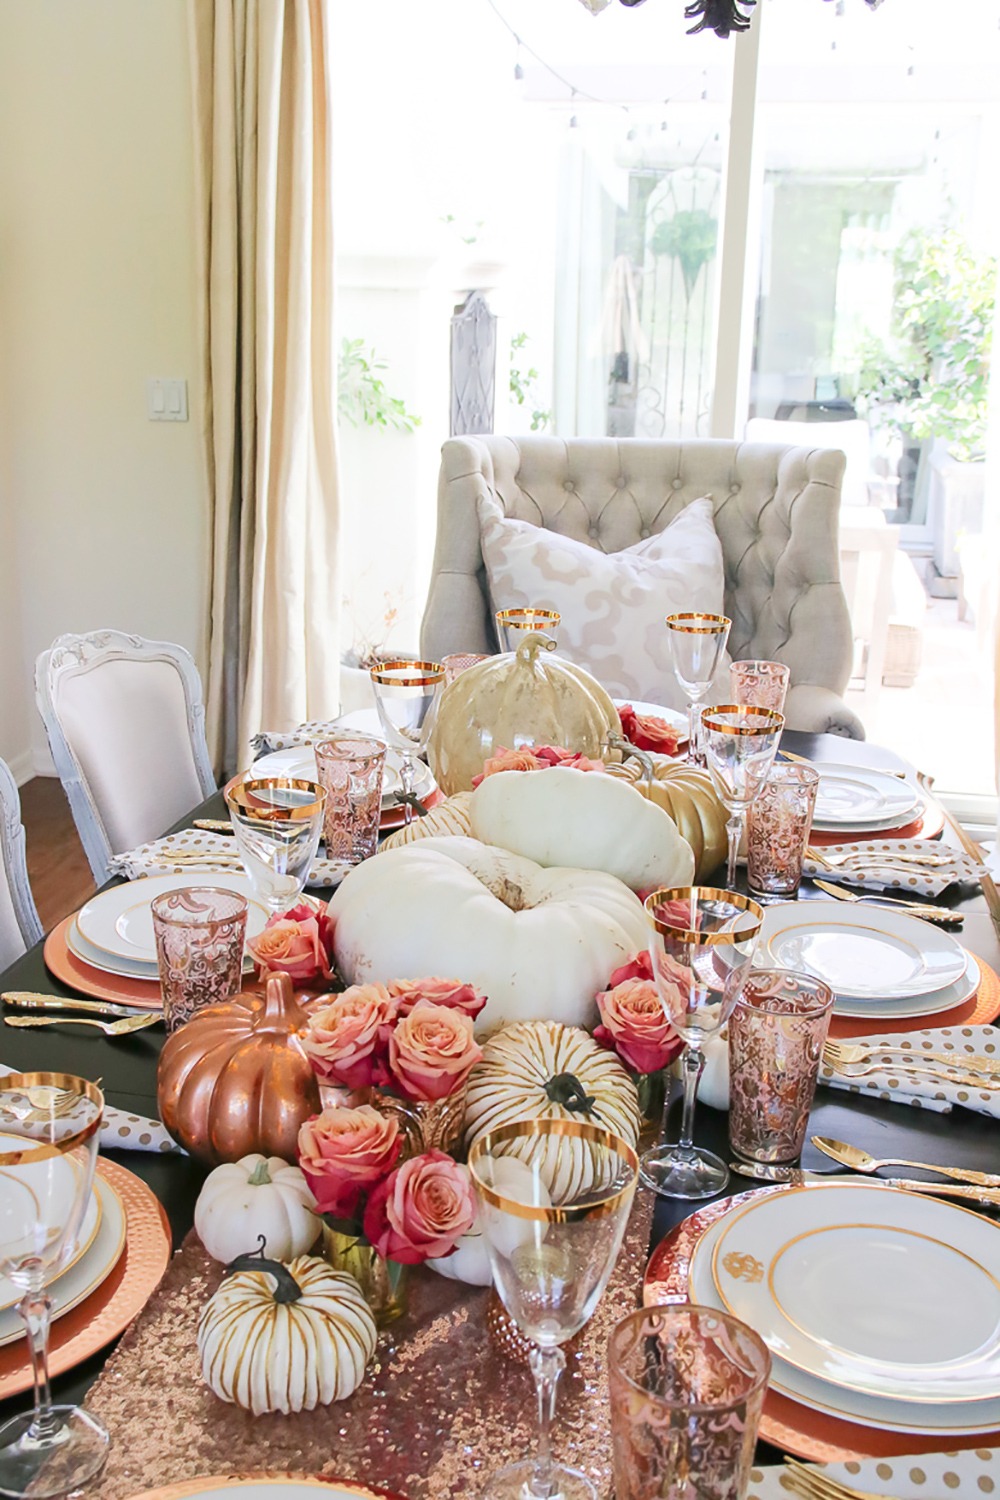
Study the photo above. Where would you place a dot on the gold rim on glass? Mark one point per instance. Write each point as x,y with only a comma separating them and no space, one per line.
703,893
683,623
20,1083
528,619
577,1130
242,798
421,673
770,719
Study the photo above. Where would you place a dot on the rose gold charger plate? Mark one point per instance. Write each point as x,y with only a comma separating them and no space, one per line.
787,1424
60,961
111,1307
980,1010
928,825
250,1480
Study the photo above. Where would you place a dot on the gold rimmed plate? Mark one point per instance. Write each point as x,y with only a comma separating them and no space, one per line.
118,923
267,1487
10,1295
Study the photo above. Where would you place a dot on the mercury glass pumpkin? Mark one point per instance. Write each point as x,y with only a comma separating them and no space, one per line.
519,699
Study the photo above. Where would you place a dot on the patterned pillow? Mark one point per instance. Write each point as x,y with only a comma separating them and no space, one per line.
612,604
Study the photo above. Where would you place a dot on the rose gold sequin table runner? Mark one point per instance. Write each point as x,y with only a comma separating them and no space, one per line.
439,1408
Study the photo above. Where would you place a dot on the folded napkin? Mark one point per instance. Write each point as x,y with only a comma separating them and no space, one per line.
218,854
969,1475
926,1093
309,733
122,1131
877,865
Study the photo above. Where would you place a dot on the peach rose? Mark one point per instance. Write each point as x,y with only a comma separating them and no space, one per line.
636,1027
421,1210
345,1041
553,755
508,760
640,967
448,992
647,732
299,944
432,1052
344,1152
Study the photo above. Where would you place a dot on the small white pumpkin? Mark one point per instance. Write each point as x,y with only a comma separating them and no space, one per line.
286,1340
470,1260
257,1196
535,942
539,1070
584,821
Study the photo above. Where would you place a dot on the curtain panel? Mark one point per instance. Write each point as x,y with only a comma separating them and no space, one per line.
261,80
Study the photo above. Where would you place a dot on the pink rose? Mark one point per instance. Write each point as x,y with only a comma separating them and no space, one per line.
344,1152
646,732
508,760
553,755
299,944
448,992
432,1052
673,985
346,1040
640,967
636,1027
421,1210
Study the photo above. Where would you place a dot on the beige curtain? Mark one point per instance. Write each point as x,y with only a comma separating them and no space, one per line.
260,72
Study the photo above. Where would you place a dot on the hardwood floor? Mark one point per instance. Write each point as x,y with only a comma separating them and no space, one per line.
57,866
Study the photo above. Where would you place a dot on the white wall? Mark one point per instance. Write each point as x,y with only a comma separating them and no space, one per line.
104,515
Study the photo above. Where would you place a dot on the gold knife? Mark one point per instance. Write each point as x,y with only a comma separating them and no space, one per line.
212,825
795,1177
29,1000
941,916
859,1160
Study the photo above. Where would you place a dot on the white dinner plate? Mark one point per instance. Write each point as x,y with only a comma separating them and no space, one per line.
946,998
953,1418
265,1487
108,963
118,922
299,762
847,796
861,952
86,1272
12,1182
872,825
887,1293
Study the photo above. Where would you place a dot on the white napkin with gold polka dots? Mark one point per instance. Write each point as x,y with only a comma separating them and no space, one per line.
938,1093
878,865
123,1131
309,733
192,852
973,1474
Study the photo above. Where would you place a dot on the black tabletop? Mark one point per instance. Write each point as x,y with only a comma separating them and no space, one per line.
127,1068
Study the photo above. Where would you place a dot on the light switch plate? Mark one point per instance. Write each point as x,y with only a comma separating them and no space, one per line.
166,399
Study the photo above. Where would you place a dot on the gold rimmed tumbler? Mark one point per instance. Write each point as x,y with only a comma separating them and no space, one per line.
760,684
702,941
697,644
277,822
740,745
49,1132
514,624
406,696
554,1199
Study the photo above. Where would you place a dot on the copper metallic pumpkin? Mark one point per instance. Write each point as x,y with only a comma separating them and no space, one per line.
232,1081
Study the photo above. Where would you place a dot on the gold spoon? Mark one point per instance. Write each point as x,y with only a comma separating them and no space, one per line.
863,1161
125,1027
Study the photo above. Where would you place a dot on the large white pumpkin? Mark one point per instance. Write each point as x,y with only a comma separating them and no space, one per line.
537,1070
584,820
535,942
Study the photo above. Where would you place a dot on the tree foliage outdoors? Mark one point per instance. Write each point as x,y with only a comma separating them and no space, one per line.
362,398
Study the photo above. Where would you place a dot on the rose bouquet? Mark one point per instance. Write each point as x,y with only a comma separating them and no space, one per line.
536,758
299,944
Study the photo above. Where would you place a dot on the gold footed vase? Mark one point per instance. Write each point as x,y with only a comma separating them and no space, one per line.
382,1282
433,1126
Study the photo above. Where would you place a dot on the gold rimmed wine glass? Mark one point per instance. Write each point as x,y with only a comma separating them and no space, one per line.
515,624
277,822
702,941
554,1199
49,1130
697,643
406,696
740,745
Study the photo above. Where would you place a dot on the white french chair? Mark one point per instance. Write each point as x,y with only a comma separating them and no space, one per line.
19,924
126,727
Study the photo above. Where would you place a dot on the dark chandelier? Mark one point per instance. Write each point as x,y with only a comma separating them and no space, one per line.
723,16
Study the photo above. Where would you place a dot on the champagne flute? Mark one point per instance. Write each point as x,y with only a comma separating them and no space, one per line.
406,696
740,745
277,822
49,1131
701,944
697,642
554,1199
514,624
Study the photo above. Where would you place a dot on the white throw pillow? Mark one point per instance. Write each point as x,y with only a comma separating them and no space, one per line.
612,604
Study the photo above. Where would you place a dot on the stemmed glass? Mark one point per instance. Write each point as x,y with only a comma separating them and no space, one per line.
701,944
554,1198
277,823
514,624
406,696
697,642
740,745
49,1131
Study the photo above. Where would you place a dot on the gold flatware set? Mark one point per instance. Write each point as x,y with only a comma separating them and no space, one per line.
139,1021
985,1197
813,1484
843,1054
960,1068
939,915
59,1010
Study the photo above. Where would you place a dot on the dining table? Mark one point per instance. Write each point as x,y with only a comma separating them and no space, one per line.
127,1069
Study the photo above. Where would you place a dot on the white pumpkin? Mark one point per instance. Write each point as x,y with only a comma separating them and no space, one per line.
256,1196
539,1070
584,820
470,1260
268,1355
535,942
449,819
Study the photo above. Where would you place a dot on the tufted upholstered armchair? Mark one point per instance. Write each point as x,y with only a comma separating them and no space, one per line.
776,514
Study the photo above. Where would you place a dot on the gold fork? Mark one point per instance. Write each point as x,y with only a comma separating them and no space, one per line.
981,1082
857,857
814,1484
839,1053
124,1027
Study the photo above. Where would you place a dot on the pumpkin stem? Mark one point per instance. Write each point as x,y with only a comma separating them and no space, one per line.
567,1090
260,1176
529,648
286,1288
